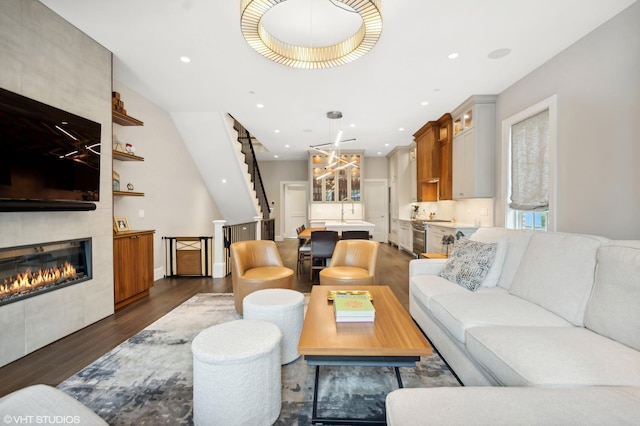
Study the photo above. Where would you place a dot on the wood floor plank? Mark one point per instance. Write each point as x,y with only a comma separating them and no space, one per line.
59,360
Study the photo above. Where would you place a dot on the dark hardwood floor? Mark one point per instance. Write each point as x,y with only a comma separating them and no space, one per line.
63,358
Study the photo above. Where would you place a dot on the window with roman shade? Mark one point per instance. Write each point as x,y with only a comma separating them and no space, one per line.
529,167
530,163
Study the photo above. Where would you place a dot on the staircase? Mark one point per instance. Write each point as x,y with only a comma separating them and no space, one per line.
245,139
226,162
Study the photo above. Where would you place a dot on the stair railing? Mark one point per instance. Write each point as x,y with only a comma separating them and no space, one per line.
244,137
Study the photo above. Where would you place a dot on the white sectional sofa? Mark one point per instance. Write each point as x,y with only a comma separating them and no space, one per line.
555,312
45,405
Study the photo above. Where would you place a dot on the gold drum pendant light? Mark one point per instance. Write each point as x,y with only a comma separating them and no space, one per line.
348,50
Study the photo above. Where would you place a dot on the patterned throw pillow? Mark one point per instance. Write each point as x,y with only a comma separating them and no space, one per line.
469,263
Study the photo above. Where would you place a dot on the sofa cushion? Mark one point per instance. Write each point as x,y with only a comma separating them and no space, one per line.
493,276
425,287
42,401
597,405
557,273
553,356
469,263
614,307
489,307
517,242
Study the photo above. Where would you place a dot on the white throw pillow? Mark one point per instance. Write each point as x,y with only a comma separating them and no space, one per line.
469,263
494,274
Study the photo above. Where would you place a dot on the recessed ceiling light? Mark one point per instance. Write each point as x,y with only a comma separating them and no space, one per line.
185,59
260,105
277,130
453,55
424,103
386,144
499,53
275,156
401,129
352,125
287,146
224,181
379,152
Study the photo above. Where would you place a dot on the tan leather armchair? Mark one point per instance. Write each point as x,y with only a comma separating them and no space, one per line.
256,265
353,263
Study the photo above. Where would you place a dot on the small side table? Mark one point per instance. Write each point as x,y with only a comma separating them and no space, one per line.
433,256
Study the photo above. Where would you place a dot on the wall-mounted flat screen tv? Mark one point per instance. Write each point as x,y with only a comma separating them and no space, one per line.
46,154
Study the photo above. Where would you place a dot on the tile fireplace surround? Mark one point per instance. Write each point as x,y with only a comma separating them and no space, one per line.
47,59
29,271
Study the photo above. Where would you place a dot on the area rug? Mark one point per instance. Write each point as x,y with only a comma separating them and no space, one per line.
148,379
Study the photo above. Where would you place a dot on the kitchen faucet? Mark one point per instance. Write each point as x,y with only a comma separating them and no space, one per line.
342,207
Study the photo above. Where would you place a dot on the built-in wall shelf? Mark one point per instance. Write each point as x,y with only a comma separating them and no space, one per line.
125,156
125,120
128,193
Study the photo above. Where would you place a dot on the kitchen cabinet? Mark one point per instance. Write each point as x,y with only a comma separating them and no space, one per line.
445,139
473,148
332,180
405,236
401,190
427,162
133,266
393,232
434,160
436,232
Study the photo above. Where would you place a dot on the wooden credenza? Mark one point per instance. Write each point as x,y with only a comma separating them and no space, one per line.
133,266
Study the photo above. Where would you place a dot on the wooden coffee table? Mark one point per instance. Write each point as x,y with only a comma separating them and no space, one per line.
392,340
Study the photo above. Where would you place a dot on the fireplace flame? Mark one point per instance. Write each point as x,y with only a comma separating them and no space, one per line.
28,281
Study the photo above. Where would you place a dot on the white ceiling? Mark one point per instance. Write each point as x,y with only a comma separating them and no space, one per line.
379,93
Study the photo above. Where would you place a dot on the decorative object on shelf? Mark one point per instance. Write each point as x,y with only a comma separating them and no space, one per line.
120,224
130,186
118,147
117,103
116,181
129,148
343,52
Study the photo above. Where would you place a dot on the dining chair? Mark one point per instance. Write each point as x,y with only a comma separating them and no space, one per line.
304,249
355,235
322,245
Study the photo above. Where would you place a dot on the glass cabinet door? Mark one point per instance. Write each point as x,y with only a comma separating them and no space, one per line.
335,183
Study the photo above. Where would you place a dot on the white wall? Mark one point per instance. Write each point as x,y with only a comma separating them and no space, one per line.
375,168
275,172
45,58
597,82
177,202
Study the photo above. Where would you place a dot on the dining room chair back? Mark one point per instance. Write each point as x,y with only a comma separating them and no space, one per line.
355,235
322,246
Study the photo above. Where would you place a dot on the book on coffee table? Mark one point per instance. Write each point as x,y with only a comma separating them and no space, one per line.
353,308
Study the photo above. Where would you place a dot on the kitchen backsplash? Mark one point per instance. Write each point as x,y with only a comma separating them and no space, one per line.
471,211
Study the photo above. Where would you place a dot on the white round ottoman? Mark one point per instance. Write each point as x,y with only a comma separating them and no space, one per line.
282,307
236,374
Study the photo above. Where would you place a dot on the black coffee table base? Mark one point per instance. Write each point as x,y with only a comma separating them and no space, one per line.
366,361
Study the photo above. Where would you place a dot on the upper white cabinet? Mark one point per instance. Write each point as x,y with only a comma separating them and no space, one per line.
401,174
473,147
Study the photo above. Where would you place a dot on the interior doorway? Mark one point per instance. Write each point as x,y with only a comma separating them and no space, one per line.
375,196
293,213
